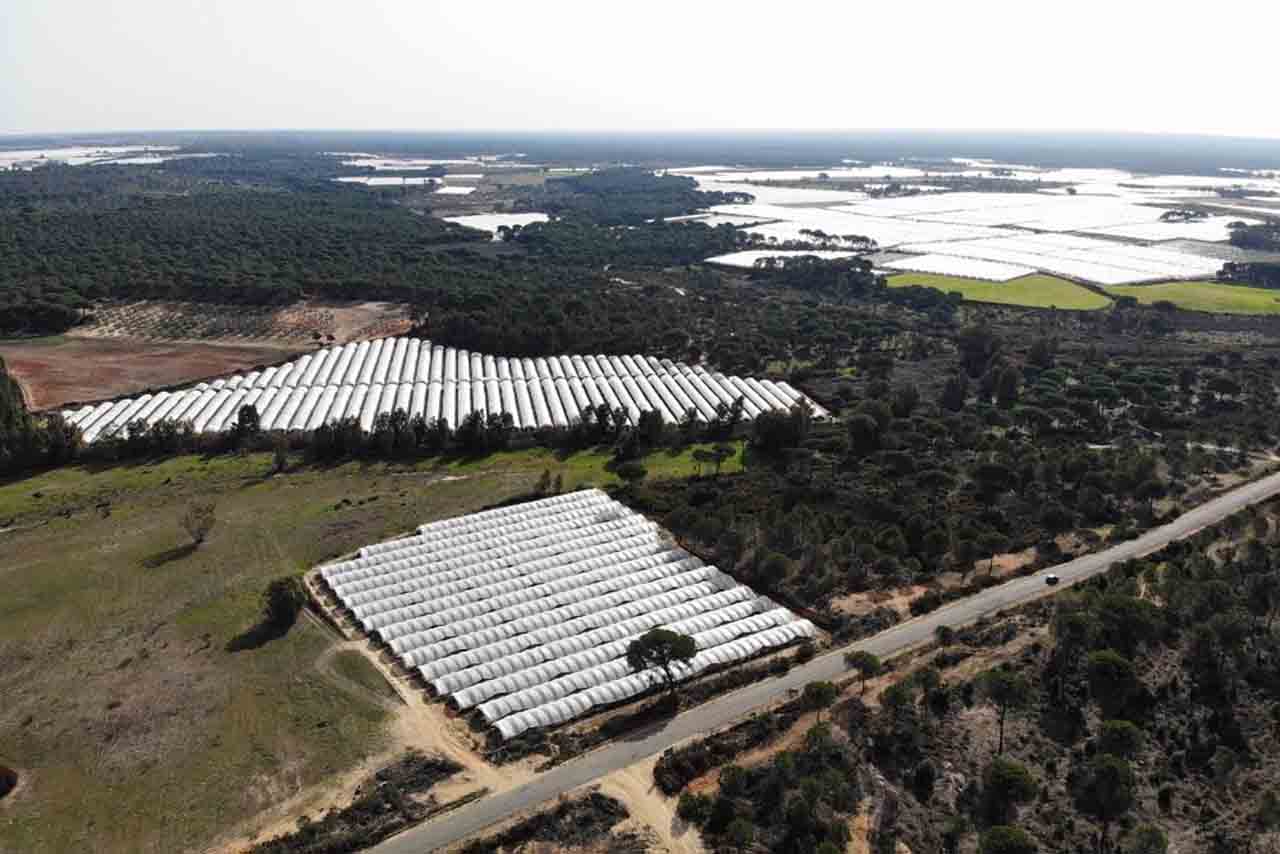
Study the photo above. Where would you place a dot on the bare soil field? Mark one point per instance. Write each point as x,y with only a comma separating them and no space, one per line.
57,371
130,347
289,325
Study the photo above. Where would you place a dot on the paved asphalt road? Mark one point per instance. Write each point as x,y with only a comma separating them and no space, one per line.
727,709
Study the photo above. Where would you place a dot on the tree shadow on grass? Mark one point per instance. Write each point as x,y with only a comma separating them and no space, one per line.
256,637
159,559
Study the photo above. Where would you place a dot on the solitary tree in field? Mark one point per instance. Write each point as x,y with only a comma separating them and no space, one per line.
661,650
720,454
198,520
631,471
1007,691
282,602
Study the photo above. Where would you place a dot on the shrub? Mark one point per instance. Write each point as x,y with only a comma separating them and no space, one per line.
198,520
1003,839
695,809
928,601
282,602
1120,738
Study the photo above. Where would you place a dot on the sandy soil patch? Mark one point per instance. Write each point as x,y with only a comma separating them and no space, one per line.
652,810
864,602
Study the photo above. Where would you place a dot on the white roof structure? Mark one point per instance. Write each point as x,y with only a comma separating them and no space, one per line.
371,378
524,613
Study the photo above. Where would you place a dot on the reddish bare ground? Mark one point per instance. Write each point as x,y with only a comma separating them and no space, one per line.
54,372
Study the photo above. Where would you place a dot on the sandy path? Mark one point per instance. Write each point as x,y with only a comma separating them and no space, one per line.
634,786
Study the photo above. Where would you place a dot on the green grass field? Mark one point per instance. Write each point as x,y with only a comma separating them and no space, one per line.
1036,291
1205,296
132,725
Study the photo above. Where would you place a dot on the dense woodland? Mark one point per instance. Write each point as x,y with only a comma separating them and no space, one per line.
1012,450
247,230
245,246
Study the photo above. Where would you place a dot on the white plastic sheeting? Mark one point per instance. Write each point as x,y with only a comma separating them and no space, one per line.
366,379
525,612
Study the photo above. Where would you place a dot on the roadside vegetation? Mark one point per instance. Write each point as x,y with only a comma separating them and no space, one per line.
1133,713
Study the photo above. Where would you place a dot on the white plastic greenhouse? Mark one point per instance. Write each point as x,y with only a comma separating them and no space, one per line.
371,378
524,613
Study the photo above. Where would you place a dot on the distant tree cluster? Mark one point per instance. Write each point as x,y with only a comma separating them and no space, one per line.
629,196
1264,237
1259,274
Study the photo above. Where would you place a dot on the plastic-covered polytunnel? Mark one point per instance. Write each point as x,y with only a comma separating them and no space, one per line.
366,379
523,614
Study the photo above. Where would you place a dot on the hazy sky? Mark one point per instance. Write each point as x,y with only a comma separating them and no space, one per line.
77,65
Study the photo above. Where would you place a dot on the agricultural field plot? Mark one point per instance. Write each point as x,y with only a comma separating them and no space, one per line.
1042,212
360,160
969,268
886,231
1243,208
869,173
772,194
290,326
1087,259
76,155
1204,182
386,181
491,222
1214,297
747,259
524,614
58,371
373,378
1035,291
1212,229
